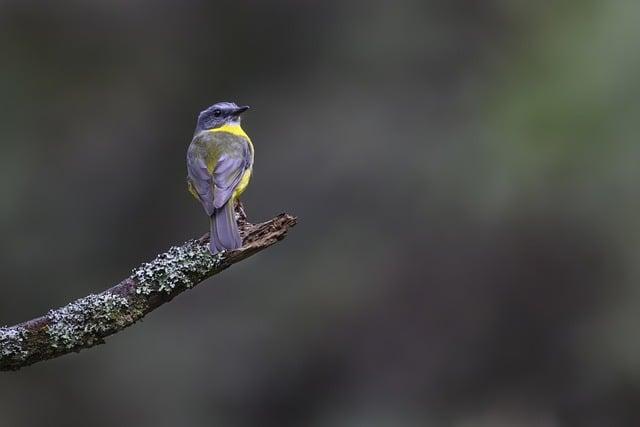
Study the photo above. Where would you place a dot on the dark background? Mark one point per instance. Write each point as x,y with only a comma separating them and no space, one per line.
466,174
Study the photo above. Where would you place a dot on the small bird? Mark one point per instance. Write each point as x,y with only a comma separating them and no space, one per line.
219,164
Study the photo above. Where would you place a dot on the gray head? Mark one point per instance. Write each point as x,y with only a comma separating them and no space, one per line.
220,114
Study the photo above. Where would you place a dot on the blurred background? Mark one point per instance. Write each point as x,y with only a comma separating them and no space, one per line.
465,174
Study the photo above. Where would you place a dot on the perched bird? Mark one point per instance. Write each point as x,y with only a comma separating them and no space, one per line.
219,162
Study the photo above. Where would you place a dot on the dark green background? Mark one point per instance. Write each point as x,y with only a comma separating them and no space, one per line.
466,174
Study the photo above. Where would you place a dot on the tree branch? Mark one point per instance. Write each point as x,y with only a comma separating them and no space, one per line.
86,322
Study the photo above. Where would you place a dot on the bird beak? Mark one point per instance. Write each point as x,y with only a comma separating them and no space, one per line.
240,110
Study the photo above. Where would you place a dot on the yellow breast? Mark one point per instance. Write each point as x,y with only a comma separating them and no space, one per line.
242,185
234,129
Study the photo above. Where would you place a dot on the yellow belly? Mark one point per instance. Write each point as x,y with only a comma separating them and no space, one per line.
242,185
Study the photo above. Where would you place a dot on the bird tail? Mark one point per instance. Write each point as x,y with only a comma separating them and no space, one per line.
224,229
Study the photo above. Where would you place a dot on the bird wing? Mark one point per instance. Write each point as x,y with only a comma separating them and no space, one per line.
200,183
226,176
215,175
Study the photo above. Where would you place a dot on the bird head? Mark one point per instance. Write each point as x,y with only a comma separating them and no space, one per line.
220,114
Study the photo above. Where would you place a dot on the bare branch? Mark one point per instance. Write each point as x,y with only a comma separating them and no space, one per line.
88,321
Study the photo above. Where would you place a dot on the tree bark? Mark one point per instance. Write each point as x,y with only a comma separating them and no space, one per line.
87,321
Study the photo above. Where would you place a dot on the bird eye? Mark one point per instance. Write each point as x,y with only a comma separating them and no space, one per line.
217,113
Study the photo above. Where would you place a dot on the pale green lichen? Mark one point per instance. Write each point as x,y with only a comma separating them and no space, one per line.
12,343
179,268
87,320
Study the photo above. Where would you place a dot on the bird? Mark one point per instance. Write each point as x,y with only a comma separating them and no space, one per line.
219,168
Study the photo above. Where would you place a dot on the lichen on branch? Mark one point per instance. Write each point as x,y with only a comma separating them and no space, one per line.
179,267
87,321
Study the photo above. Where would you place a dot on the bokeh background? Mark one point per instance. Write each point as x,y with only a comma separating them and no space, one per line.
466,174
